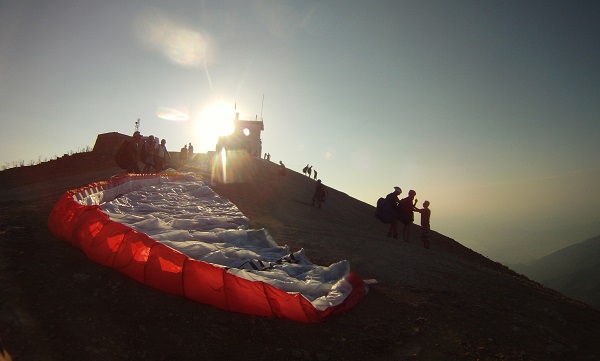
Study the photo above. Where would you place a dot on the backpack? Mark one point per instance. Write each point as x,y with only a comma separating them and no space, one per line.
379,209
121,156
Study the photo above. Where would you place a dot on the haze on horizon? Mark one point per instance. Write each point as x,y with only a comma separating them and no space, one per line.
489,110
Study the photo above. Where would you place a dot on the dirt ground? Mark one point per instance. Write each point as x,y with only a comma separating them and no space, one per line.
443,303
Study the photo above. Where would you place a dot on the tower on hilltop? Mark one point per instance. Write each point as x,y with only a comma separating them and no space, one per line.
245,136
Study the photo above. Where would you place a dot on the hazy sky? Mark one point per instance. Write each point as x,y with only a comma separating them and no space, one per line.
488,109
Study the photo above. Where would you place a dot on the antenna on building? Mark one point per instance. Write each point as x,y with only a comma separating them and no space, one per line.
137,125
262,106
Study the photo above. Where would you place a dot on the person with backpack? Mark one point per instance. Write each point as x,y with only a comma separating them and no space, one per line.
130,155
387,211
320,194
406,209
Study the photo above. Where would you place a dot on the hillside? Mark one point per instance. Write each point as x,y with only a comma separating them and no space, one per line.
443,303
572,271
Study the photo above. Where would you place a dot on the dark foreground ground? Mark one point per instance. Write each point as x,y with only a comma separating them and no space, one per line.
446,303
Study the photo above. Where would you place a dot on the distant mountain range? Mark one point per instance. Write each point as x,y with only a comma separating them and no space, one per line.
574,271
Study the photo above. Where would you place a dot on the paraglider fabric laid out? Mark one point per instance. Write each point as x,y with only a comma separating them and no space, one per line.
172,232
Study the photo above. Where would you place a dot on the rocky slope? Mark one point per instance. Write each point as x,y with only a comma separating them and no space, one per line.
443,303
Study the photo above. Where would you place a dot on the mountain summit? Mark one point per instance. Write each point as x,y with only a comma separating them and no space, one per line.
442,303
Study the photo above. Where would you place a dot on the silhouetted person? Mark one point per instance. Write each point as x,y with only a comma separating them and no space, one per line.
132,152
281,169
406,207
390,212
320,194
162,156
315,171
190,152
148,151
183,155
309,171
425,227
305,170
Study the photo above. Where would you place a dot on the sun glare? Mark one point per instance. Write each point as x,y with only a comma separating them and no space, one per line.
214,121
172,114
183,46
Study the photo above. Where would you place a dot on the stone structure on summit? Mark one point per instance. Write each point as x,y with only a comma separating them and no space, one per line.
245,136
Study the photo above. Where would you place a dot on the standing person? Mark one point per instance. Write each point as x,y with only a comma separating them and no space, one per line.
162,156
281,170
406,208
309,171
425,227
320,195
315,171
183,155
132,154
148,151
190,151
156,145
390,212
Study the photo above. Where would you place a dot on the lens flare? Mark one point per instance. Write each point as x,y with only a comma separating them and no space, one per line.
172,114
231,166
329,154
181,45
219,161
224,164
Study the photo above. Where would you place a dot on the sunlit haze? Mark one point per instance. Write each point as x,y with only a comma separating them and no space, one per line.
489,110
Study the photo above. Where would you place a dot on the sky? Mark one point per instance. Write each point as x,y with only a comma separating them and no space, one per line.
488,109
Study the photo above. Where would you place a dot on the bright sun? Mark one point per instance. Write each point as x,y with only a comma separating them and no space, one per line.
214,121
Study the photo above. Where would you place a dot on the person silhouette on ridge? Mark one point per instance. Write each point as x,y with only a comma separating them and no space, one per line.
320,194
281,170
425,226
406,207
390,212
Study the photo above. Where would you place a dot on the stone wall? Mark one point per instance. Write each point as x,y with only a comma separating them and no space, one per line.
108,143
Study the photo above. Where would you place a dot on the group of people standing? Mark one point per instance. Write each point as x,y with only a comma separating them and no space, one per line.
152,153
402,210
186,152
309,171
